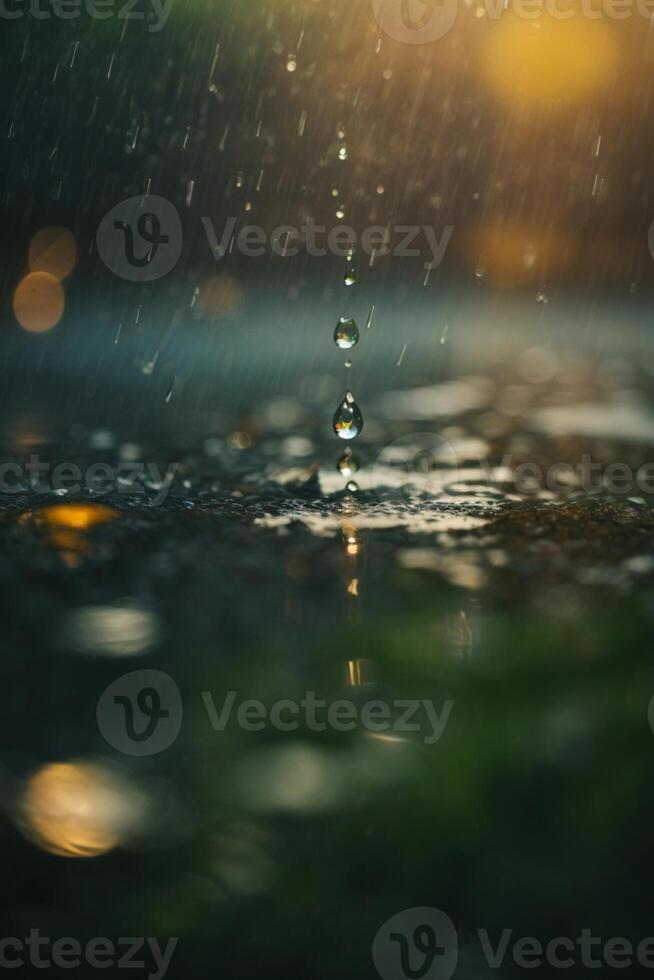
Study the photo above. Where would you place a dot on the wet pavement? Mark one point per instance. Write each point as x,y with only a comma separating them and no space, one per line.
488,561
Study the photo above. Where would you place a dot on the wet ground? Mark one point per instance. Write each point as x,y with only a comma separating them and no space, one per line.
489,557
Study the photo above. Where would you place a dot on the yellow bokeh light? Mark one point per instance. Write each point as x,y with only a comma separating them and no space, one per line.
548,61
53,250
38,302
514,254
78,810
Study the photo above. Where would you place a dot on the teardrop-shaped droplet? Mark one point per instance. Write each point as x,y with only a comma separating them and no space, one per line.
350,276
348,464
346,334
348,420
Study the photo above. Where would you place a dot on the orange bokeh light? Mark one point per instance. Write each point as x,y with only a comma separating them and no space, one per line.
38,302
548,61
513,254
53,250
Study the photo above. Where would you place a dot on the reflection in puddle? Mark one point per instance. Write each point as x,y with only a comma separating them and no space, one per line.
459,569
599,420
125,630
65,527
426,520
359,673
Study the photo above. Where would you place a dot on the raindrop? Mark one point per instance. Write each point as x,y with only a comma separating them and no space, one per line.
346,334
348,464
348,420
350,277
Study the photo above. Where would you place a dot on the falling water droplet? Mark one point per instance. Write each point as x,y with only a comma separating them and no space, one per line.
291,63
352,486
350,272
342,152
346,334
348,420
348,464
348,364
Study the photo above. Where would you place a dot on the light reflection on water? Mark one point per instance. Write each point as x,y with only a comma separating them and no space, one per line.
117,630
